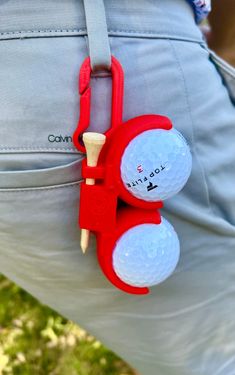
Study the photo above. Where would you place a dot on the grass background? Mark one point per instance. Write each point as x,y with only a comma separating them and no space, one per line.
35,340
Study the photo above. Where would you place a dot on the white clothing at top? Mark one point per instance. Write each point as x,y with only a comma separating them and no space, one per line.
202,8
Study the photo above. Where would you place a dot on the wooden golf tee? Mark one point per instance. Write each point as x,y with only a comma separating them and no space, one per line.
93,143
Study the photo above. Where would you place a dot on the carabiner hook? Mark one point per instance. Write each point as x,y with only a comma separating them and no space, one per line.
85,98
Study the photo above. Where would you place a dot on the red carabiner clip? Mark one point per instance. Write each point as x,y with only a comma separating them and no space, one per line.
85,99
99,210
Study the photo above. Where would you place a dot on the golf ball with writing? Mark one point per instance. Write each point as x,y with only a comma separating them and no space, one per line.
156,164
146,254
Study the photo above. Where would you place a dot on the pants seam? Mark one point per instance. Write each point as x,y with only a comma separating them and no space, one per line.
186,94
83,31
39,188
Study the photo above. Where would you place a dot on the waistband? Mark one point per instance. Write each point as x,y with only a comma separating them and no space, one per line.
134,18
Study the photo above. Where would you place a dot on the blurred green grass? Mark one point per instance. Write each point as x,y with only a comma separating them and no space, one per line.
35,340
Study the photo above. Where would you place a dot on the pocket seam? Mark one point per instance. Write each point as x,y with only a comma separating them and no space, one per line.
39,148
60,175
42,188
225,70
194,146
223,64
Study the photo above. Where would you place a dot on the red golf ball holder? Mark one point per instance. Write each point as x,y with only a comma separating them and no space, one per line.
107,208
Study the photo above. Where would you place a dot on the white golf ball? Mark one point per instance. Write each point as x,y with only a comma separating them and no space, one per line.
156,164
146,254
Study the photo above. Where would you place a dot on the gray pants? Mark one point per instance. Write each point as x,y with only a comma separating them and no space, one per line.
186,325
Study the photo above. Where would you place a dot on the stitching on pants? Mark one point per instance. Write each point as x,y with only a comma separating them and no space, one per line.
158,34
192,120
38,148
42,31
40,188
84,30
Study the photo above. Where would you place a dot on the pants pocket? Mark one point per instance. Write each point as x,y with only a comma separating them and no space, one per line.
39,231
226,71
33,174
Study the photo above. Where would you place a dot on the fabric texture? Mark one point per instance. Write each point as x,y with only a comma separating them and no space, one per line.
186,325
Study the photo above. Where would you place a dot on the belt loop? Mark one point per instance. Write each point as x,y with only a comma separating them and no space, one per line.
97,31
